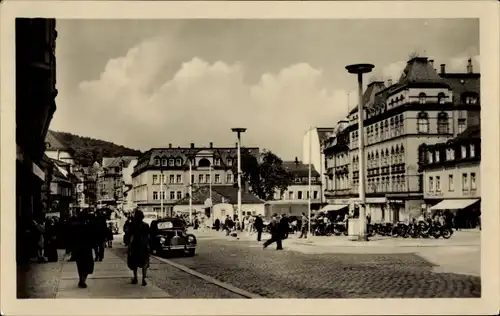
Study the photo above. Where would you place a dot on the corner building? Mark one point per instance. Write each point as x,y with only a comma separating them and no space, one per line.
171,166
421,107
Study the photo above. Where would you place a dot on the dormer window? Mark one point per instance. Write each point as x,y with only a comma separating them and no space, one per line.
464,152
217,162
470,98
157,161
171,162
178,162
441,98
450,154
437,156
164,162
430,157
422,98
472,150
230,162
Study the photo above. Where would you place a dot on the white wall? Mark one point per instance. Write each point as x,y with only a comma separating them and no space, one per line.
60,155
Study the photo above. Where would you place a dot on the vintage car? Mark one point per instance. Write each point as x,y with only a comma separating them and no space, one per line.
169,235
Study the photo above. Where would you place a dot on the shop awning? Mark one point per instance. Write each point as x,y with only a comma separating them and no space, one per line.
333,207
450,204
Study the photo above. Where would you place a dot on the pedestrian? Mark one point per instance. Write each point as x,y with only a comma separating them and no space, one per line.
126,235
259,226
109,236
228,224
100,232
39,233
81,247
217,224
138,248
50,250
284,224
304,226
251,222
276,233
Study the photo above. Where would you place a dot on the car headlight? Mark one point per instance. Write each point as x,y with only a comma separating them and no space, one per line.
191,239
162,240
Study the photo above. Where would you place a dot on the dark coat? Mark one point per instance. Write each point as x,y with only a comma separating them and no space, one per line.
284,224
82,245
138,248
275,227
259,223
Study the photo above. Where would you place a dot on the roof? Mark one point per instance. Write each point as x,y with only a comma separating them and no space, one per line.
223,153
472,132
461,83
298,169
110,162
324,133
53,143
419,70
369,95
220,194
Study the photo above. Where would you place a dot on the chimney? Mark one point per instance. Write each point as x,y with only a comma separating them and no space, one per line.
443,68
192,145
170,145
469,66
211,145
296,161
389,82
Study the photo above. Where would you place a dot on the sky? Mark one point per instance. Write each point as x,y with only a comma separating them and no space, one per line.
148,83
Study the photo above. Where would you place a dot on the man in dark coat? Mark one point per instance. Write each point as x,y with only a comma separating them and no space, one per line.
259,226
284,226
228,225
276,233
100,232
81,247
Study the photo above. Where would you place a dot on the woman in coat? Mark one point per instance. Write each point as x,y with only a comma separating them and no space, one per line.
138,247
82,247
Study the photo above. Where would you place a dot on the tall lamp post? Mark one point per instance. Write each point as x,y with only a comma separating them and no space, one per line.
238,132
190,157
361,69
162,192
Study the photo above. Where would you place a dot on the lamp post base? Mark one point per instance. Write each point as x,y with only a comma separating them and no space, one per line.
361,237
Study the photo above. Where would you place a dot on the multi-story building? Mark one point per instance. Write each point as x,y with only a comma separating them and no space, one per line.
56,150
313,145
424,106
35,106
110,183
452,176
295,199
86,188
162,174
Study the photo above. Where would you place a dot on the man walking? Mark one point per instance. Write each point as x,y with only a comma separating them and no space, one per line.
304,226
259,226
284,226
275,234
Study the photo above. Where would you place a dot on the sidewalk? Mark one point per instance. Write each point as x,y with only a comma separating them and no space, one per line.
111,279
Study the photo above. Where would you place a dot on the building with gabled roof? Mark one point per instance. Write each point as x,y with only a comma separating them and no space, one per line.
111,176
56,149
170,166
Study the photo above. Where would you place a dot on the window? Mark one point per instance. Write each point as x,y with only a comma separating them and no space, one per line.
437,155
217,162
472,150
157,161
451,185
178,162
461,125
172,195
450,154
155,179
401,124
443,123
163,195
200,178
155,195
423,122
464,152
171,179
431,184
230,162
441,98
465,183
164,162
422,98
207,178
229,178
438,184
299,195
217,178
162,178
473,181
430,156
171,162
179,195
290,195
315,195
179,178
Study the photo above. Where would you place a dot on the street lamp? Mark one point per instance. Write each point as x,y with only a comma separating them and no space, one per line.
361,69
238,131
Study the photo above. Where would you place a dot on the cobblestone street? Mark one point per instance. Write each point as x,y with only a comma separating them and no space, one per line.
292,274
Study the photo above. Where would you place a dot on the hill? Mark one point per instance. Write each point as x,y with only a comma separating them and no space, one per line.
87,150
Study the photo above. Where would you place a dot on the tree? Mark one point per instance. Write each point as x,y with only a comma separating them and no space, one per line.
265,177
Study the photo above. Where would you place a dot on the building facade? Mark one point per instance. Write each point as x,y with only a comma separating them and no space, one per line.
35,106
162,174
424,106
452,178
110,181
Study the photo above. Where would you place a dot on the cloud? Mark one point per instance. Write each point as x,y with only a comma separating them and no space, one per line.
202,101
131,103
